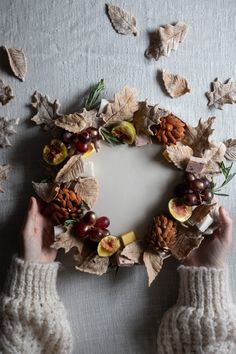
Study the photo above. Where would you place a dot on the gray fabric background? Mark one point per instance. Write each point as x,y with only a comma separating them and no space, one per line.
70,45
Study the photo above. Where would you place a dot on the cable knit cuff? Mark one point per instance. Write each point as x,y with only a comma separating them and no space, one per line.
32,280
202,287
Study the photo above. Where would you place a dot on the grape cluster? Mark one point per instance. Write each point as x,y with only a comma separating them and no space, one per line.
194,191
92,227
83,139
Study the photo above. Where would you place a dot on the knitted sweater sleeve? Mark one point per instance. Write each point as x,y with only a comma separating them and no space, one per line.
32,317
204,319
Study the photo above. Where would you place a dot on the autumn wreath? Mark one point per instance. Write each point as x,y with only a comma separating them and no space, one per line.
70,189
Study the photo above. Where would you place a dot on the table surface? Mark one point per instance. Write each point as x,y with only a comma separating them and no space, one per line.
70,45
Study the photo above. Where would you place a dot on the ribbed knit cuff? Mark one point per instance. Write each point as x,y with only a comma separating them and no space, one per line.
32,280
202,287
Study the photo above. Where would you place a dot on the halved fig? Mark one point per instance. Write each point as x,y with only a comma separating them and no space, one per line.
125,131
108,246
179,210
55,152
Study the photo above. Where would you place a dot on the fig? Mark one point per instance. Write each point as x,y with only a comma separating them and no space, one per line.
108,246
125,131
55,152
179,210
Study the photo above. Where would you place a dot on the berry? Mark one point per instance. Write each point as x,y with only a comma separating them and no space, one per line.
93,132
206,182
84,137
197,185
95,235
189,177
81,229
191,199
103,222
207,196
81,147
90,218
66,137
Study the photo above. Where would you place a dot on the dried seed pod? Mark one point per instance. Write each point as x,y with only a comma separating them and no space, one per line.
163,232
170,130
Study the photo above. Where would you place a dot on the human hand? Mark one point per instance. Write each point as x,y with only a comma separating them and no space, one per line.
214,248
37,233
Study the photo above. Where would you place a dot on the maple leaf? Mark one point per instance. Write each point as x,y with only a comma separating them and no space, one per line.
165,39
5,93
179,154
175,85
122,21
4,170
47,111
87,188
46,191
7,128
222,93
67,240
230,153
214,156
76,122
73,168
153,263
17,62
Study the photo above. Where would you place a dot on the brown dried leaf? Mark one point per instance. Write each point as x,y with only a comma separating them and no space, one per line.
47,111
76,122
123,108
7,129
214,156
122,21
71,170
5,93
133,251
199,213
92,263
17,62
179,154
165,39
198,137
222,93
88,190
175,85
4,170
46,191
230,153
153,263
67,240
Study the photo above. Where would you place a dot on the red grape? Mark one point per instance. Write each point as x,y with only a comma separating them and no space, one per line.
103,222
81,147
93,132
190,199
189,177
95,234
207,195
81,229
206,182
197,185
66,137
90,218
84,137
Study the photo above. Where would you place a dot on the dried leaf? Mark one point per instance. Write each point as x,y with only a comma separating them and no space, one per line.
4,170
122,21
76,122
92,263
88,189
5,93
153,263
198,138
47,111
46,191
214,156
67,240
165,39
175,85
222,93
133,251
179,154
71,170
7,129
199,213
230,153
123,107
17,62
142,140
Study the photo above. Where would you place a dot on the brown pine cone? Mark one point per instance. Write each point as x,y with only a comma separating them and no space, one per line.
170,130
163,232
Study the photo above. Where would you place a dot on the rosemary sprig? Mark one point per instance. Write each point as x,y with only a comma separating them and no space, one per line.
227,178
70,222
108,137
94,94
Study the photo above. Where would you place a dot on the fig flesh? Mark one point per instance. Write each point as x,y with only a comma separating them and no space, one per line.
108,246
55,152
179,210
125,131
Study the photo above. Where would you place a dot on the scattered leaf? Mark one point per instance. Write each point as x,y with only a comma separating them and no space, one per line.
6,129
4,170
94,94
153,263
165,39
17,62
175,85
92,263
88,190
67,240
214,156
133,251
222,93
47,111
122,21
123,108
179,154
5,93
230,153
46,191
71,170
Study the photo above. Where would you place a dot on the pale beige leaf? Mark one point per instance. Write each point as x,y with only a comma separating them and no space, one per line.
71,170
166,39
73,123
47,111
88,190
122,21
17,62
230,153
222,93
5,93
92,263
46,191
175,85
153,263
7,128
179,154
214,156
4,170
123,108
67,241
133,251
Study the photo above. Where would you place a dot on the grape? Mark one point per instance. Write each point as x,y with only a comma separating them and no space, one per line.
207,195
89,218
197,185
105,232
81,229
66,137
206,182
103,222
190,199
93,132
81,147
84,137
189,177
95,235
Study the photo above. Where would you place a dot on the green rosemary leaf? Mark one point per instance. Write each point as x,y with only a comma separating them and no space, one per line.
221,194
70,222
93,96
108,137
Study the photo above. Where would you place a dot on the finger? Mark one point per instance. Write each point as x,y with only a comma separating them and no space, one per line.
224,217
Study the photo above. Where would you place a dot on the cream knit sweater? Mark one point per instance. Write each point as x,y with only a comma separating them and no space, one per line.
33,320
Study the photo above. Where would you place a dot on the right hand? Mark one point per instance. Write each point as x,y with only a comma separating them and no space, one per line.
214,248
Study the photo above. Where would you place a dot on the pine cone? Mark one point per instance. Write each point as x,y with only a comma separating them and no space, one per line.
170,130
163,232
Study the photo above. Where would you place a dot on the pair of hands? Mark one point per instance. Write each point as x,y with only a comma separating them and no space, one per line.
37,235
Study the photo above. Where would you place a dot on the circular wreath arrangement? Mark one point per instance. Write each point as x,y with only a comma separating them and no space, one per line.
70,188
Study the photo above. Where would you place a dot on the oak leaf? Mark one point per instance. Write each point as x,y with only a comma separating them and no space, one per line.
175,85
5,93
153,263
17,62
67,240
133,251
165,39
179,154
46,191
7,128
88,190
92,263
122,21
71,170
4,170
230,153
76,122
214,156
222,93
